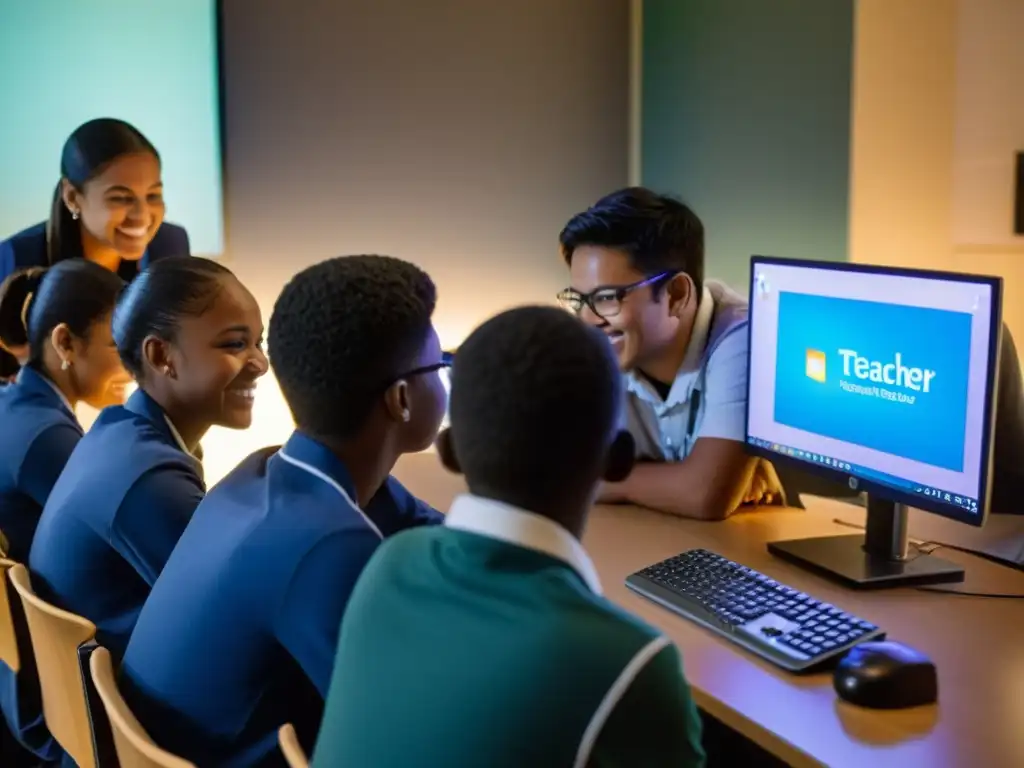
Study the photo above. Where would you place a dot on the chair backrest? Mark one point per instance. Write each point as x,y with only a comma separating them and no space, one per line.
56,638
134,747
8,640
293,753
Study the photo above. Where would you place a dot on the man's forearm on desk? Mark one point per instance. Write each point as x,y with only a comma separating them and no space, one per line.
685,488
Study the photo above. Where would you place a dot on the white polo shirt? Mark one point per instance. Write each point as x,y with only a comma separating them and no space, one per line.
715,367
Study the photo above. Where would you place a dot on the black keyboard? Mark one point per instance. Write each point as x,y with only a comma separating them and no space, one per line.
787,627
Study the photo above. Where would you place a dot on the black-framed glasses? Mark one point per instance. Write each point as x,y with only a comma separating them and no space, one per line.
606,300
447,358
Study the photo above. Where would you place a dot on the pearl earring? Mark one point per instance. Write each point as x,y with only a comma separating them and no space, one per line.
65,364
74,215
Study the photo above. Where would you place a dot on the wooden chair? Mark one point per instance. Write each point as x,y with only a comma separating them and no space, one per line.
134,747
8,639
293,753
58,640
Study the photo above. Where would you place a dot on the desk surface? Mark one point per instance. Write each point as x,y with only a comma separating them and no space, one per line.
976,643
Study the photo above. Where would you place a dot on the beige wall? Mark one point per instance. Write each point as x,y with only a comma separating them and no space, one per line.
912,64
457,134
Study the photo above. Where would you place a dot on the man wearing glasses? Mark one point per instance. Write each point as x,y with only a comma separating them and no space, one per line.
636,262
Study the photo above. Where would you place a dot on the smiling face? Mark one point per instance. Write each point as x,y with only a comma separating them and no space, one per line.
217,357
98,376
643,326
122,207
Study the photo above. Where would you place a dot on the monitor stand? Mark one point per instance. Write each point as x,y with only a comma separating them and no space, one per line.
881,558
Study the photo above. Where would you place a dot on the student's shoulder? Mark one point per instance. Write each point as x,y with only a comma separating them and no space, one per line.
132,438
400,547
27,248
38,435
170,240
614,625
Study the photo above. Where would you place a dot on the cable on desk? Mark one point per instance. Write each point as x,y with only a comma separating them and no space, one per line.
928,547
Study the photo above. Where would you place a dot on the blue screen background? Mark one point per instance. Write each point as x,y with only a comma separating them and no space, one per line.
931,430
154,64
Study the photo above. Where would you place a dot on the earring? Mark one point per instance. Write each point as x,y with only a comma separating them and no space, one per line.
74,214
65,364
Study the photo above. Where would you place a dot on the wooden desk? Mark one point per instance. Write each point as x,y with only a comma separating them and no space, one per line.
977,643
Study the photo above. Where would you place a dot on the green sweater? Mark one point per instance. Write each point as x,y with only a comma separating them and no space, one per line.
486,642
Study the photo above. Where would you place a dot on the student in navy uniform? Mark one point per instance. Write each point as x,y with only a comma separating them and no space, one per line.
239,634
62,316
636,262
108,207
191,334
487,641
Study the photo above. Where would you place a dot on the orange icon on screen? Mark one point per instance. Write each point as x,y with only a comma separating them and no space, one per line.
815,365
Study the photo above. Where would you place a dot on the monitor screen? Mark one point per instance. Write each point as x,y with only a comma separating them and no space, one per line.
882,377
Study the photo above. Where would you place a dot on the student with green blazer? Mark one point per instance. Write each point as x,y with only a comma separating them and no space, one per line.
486,641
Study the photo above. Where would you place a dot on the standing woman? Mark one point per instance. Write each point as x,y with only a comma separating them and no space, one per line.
62,317
191,334
108,207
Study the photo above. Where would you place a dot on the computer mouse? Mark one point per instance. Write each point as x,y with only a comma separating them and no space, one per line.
886,675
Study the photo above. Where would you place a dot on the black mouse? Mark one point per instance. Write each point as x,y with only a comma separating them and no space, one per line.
886,675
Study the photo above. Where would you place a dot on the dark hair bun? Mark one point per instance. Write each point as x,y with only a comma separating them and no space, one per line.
158,299
16,295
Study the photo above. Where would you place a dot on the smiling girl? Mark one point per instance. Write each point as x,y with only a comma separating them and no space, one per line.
108,207
191,335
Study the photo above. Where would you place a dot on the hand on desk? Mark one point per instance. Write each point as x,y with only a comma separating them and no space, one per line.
765,487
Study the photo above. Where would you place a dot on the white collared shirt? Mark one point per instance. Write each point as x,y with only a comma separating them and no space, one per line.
61,395
504,522
666,429
178,439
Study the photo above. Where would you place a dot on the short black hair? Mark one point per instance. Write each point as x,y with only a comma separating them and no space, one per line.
155,302
659,233
340,332
34,301
535,403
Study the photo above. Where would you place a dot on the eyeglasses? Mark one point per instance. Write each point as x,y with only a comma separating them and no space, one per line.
605,301
447,358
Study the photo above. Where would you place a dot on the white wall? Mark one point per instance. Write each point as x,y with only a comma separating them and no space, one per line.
989,122
930,101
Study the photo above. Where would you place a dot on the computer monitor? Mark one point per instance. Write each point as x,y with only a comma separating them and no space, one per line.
883,379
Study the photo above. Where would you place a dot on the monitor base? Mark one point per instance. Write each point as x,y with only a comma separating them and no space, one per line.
844,558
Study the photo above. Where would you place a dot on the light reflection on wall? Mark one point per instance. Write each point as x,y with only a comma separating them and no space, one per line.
271,425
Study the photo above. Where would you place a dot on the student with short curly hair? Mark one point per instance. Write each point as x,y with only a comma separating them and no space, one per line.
240,631
533,666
